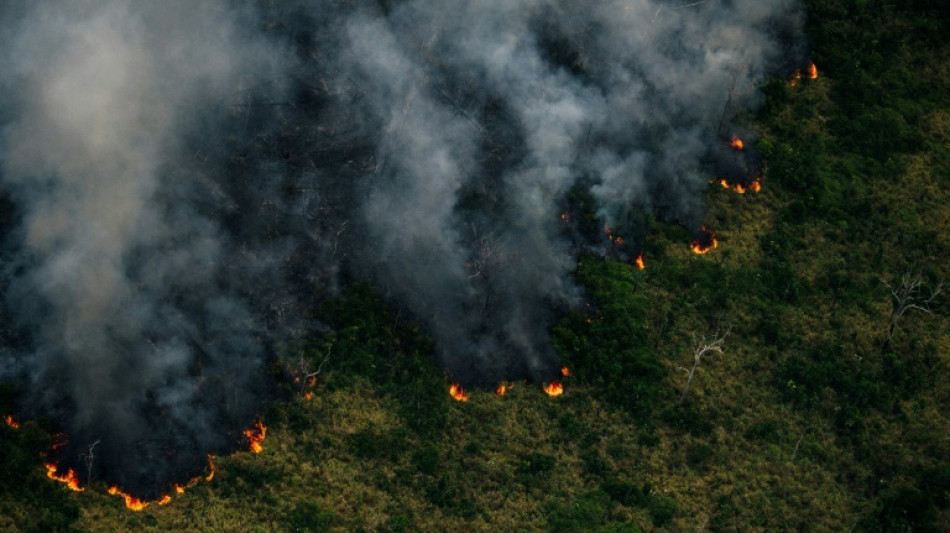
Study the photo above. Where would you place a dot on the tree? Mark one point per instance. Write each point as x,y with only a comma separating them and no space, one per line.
702,346
911,293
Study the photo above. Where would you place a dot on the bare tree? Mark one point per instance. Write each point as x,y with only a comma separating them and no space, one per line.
703,345
309,378
911,293
90,458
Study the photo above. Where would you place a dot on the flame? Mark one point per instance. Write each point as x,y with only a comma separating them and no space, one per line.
565,371
565,217
210,475
812,72
740,189
179,489
131,502
554,389
639,262
724,183
794,81
308,395
69,478
698,248
455,390
618,241
756,185
164,500
256,437
503,388
736,143
11,421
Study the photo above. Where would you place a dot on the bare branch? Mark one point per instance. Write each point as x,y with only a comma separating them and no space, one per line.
911,294
702,346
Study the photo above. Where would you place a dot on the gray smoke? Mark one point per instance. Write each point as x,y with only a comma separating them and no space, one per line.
185,180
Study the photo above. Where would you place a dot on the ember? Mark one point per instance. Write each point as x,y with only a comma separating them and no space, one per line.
455,390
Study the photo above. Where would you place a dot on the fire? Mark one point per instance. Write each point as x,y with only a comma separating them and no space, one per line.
565,217
724,183
455,390
698,248
736,143
179,489
210,475
164,500
812,71
639,262
11,421
740,189
256,437
503,388
131,502
69,478
554,389
756,185
308,395
565,371
794,81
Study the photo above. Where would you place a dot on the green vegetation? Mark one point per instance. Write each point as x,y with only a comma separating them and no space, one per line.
813,419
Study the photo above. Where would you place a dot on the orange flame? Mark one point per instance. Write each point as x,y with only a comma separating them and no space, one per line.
740,189
736,143
308,395
812,71
164,500
210,475
179,489
503,388
131,502
698,248
69,478
756,185
554,389
455,390
11,421
256,437
565,371
794,81
724,183
639,262
565,217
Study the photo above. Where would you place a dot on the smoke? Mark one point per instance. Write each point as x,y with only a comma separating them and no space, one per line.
185,181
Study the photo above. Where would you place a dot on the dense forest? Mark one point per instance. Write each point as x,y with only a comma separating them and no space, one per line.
793,378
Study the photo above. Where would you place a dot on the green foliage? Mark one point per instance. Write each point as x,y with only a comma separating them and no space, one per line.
308,517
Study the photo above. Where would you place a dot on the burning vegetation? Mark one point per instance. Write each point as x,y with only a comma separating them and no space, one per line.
705,242
255,436
554,389
457,393
69,478
11,421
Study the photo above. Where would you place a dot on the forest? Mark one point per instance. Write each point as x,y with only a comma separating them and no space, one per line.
791,378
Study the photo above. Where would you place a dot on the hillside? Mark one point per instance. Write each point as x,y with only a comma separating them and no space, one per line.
824,412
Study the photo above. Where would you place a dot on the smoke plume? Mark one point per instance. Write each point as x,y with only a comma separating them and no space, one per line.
184,181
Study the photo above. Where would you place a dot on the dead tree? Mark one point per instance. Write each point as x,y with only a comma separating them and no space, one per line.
309,378
911,293
90,458
702,346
